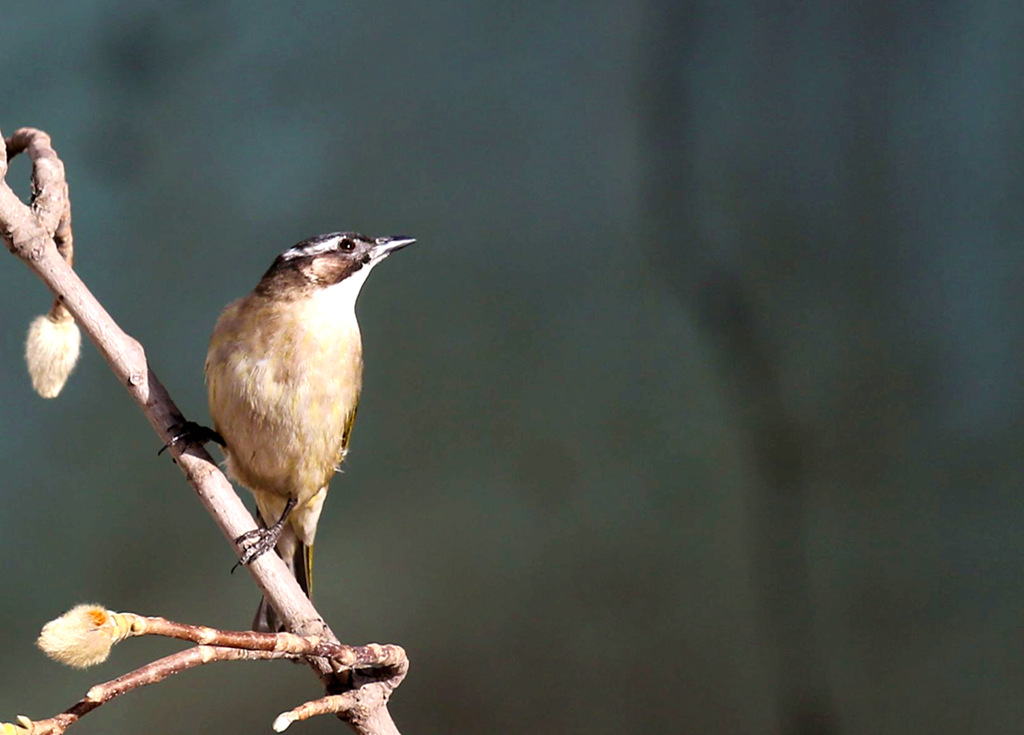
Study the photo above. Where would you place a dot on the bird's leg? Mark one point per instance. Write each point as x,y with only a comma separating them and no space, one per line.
261,540
191,434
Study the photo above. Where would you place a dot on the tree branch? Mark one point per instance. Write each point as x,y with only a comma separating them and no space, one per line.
152,673
34,235
84,635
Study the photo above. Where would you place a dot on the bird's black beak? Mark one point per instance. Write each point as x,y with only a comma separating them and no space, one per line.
388,245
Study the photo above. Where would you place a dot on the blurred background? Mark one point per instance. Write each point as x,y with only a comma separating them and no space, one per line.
696,407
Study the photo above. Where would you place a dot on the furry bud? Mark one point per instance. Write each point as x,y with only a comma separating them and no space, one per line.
51,352
83,636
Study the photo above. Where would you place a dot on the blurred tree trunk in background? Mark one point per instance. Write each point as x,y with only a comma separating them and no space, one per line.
832,192
721,298
751,240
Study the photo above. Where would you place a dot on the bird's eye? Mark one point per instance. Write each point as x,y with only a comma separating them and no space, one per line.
347,245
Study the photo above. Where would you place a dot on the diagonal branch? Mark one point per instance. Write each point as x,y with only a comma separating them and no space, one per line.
33,234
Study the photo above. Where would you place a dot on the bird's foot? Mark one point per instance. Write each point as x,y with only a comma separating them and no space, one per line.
190,434
253,544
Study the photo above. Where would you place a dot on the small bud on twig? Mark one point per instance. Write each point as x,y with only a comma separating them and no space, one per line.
24,726
51,351
83,636
283,720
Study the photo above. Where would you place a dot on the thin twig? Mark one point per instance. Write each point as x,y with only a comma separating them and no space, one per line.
49,196
372,655
152,673
99,628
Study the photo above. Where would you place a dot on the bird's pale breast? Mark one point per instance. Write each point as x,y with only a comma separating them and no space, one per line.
283,389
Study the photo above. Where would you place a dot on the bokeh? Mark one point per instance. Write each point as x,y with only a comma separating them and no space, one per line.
695,408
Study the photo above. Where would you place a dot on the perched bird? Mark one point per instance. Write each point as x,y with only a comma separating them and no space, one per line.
283,374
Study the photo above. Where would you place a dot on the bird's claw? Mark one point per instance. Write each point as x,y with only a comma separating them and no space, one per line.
191,434
253,544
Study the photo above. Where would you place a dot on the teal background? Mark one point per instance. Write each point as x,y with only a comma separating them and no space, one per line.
696,408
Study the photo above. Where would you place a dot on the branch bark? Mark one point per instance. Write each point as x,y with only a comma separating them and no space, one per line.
152,673
33,234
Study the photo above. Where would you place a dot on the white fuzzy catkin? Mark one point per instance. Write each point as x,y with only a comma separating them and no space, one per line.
51,351
81,637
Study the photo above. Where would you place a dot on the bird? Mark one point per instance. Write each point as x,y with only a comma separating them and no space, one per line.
284,374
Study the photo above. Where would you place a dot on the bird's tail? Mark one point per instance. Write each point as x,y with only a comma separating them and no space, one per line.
299,558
